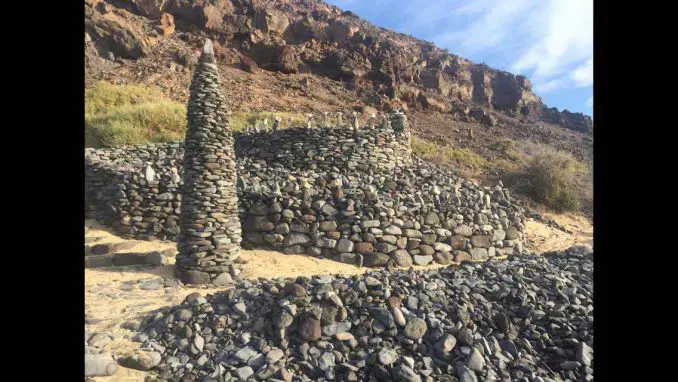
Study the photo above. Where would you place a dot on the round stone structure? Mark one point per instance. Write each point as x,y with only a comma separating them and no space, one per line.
210,235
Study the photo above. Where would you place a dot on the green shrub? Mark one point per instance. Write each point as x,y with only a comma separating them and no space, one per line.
553,178
117,115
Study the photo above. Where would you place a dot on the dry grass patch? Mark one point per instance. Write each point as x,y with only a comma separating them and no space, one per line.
462,159
119,115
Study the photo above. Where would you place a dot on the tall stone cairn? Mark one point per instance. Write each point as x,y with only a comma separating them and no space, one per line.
209,242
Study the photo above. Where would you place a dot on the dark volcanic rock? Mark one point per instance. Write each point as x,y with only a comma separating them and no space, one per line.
392,326
309,328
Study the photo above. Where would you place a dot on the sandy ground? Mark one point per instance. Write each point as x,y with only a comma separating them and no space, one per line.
542,238
113,295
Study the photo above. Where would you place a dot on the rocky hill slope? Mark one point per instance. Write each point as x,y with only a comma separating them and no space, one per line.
328,56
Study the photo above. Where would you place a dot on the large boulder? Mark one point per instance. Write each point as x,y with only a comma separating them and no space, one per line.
114,34
435,79
287,60
348,64
152,8
269,20
99,365
375,259
340,31
203,13
304,30
268,54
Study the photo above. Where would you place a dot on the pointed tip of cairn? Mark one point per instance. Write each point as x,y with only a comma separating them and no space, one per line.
208,48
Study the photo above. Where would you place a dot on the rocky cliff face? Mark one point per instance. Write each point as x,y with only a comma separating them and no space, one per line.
392,70
565,118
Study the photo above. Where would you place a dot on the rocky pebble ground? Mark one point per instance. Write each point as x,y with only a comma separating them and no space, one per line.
526,318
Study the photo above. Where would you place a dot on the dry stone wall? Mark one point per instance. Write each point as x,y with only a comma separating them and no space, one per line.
354,196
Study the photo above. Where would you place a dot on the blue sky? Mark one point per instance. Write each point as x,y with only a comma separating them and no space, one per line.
549,41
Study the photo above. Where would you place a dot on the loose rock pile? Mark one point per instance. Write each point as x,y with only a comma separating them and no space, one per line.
527,318
98,363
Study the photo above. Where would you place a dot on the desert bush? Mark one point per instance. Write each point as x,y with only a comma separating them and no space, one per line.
553,178
118,115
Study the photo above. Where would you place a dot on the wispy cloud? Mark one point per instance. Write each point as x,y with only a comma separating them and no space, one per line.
549,40
583,75
549,86
589,102
493,24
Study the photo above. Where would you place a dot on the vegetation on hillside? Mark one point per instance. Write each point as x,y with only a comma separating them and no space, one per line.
463,160
117,115
552,178
239,120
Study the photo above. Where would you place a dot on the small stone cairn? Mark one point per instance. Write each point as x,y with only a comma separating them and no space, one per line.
324,122
309,121
399,122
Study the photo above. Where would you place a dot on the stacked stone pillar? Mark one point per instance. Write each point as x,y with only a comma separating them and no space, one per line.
209,243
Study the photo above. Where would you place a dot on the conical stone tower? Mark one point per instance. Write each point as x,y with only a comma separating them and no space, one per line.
210,237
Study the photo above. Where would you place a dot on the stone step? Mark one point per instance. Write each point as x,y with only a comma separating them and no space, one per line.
120,259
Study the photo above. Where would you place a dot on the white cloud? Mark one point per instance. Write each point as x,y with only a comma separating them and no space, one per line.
492,26
589,102
550,41
563,42
583,75
549,86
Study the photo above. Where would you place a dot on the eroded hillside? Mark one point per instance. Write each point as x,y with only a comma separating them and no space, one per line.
381,68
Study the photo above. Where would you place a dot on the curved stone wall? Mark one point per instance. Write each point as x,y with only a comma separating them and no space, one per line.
354,196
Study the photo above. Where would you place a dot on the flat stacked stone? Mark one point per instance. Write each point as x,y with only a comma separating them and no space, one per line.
209,241
399,122
355,196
